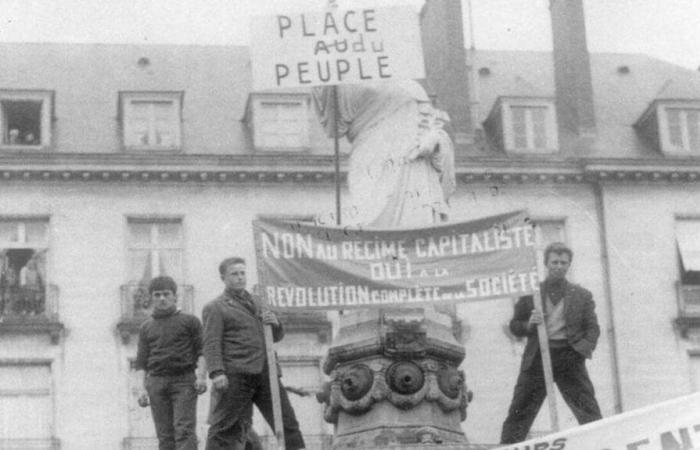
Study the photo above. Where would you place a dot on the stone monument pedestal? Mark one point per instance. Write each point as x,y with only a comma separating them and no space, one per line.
395,380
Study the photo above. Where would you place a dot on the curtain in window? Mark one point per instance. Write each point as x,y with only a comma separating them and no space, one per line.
688,239
675,131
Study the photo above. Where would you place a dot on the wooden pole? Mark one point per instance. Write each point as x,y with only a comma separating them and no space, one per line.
544,341
547,364
336,146
274,388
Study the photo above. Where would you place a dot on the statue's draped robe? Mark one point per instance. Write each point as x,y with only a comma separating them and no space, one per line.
385,123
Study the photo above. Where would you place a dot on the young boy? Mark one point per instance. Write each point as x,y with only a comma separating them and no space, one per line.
169,350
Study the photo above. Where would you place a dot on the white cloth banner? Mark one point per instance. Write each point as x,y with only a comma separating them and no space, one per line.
670,425
336,47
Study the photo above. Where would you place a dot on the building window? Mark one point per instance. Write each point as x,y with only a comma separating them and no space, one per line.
279,122
694,370
683,130
23,279
548,231
25,118
529,127
152,120
155,248
688,287
26,405
523,125
688,241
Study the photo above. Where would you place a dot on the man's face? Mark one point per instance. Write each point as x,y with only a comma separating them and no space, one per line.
557,265
234,277
163,300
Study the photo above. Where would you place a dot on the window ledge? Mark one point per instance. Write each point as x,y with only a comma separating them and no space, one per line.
685,322
30,444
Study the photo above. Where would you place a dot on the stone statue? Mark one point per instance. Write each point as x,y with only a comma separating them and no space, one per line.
394,373
401,170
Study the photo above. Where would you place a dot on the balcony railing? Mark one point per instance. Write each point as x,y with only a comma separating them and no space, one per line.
30,444
136,306
688,307
27,309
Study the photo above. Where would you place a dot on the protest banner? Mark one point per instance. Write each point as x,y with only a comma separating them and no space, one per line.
670,425
305,266
336,47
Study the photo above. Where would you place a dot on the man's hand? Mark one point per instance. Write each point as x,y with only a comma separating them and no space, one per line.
200,385
536,318
269,318
220,382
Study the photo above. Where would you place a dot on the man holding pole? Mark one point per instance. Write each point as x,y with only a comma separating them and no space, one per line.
572,330
235,352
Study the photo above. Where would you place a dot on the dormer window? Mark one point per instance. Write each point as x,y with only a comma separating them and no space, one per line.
523,125
683,130
25,119
672,126
279,122
151,120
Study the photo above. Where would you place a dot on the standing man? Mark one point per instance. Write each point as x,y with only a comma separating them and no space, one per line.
169,350
572,328
235,353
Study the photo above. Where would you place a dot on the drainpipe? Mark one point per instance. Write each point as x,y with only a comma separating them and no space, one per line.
605,262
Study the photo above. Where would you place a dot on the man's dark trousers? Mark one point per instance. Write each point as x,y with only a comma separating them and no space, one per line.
231,417
571,377
173,401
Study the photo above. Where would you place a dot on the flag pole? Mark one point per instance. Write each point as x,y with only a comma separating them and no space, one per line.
273,378
274,388
336,147
544,347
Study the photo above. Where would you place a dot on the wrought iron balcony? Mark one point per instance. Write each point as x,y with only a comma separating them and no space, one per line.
30,444
688,307
136,306
27,309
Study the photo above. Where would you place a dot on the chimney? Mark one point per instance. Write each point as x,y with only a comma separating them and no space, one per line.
572,70
446,66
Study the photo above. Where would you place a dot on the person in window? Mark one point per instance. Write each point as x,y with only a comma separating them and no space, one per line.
32,287
169,350
30,139
572,329
235,354
13,137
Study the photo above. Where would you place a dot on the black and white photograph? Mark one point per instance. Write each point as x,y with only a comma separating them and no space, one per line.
349,224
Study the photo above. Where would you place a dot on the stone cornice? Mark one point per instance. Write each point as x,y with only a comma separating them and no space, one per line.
123,167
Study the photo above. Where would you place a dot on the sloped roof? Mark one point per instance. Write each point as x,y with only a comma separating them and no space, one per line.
216,81
87,79
620,96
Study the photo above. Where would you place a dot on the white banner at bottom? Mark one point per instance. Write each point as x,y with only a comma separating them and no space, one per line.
670,425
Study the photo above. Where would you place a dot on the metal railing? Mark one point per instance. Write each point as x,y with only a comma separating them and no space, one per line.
136,303
30,444
689,300
25,303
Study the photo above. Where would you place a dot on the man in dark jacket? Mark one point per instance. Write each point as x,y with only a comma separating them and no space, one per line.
572,329
169,347
235,353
